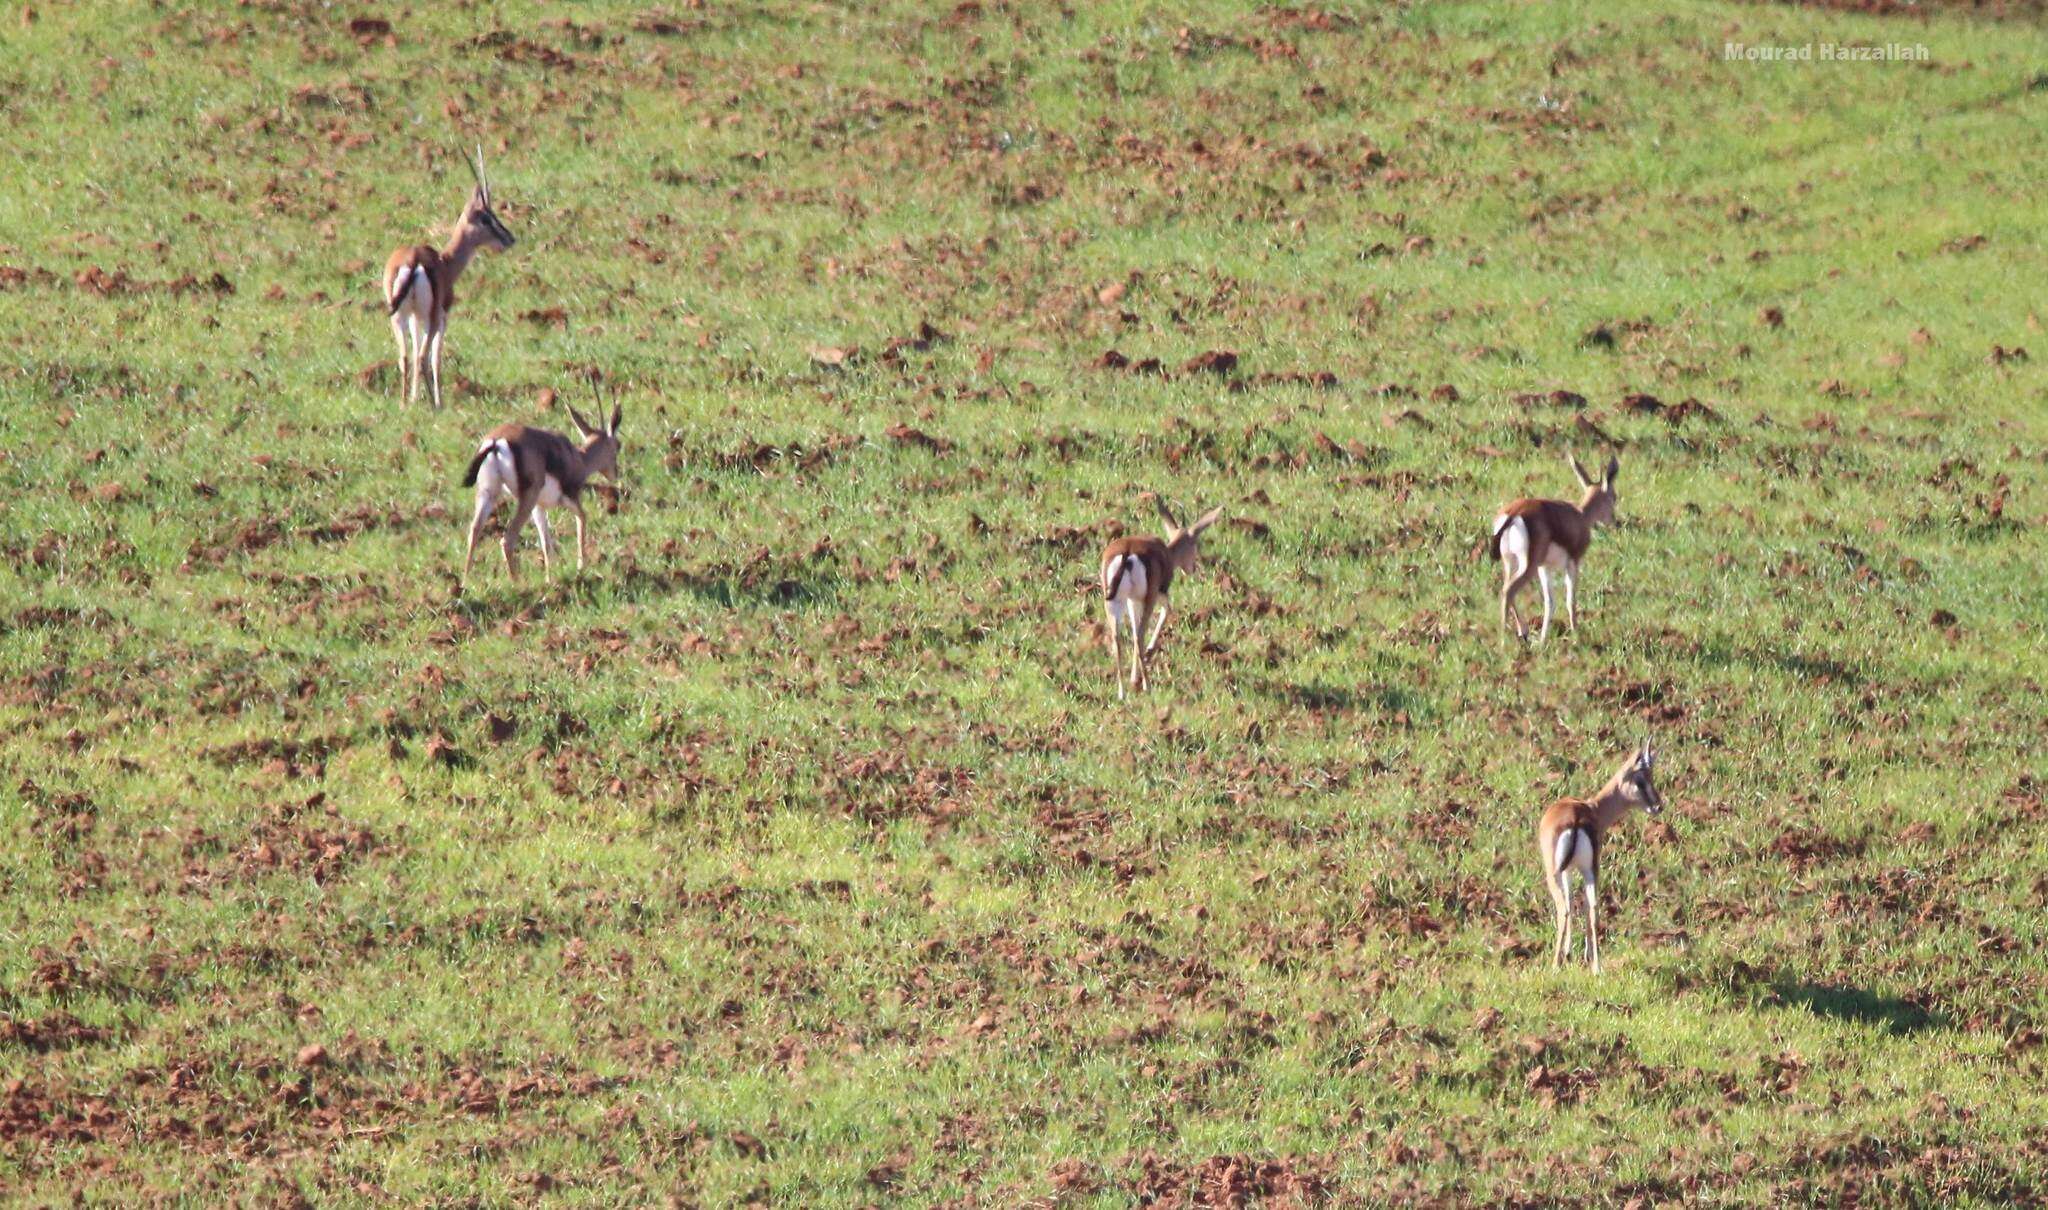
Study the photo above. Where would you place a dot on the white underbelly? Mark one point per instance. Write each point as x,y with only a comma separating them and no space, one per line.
550,492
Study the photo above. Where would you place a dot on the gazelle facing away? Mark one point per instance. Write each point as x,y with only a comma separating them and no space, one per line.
419,285
1535,537
1570,836
1136,574
538,470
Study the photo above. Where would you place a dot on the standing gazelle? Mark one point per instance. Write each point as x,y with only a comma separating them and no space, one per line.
419,285
1533,537
1570,836
1136,574
538,470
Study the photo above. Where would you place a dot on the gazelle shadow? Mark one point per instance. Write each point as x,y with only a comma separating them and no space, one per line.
490,598
1316,695
728,591
1899,1018
1811,668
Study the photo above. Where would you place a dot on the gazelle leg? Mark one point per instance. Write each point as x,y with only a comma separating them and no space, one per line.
1509,615
1561,907
434,363
1116,655
521,510
547,541
1543,578
1571,608
1592,924
582,537
1559,887
416,329
486,504
1158,624
1138,613
398,334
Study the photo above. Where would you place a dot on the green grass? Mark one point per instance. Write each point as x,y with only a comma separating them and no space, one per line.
811,859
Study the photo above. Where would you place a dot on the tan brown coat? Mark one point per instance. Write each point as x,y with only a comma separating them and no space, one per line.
1551,523
538,456
427,259
1152,556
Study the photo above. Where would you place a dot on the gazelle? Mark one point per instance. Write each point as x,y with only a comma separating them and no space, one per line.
1535,537
1570,836
419,284
538,470
1136,574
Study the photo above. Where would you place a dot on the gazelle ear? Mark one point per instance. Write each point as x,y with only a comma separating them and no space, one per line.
1206,520
1165,514
1646,754
1585,480
613,428
1607,475
582,426
483,181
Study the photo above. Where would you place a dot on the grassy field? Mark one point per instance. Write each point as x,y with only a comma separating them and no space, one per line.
801,853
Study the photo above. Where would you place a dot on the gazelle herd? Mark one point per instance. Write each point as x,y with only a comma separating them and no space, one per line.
538,470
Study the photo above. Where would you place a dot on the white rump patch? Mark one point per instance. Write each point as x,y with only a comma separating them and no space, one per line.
1579,846
499,475
415,295
1132,589
1512,535
1134,585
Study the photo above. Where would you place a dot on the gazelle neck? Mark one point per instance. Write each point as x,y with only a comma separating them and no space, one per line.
579,466
1610,804
458,251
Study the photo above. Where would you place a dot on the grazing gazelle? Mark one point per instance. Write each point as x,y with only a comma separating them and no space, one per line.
419,285
1136,574
538,470
1533,537
1570,836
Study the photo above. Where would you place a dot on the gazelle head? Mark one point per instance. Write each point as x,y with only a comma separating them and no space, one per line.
1634,782
1183,544
600,445
479,223
1598,502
